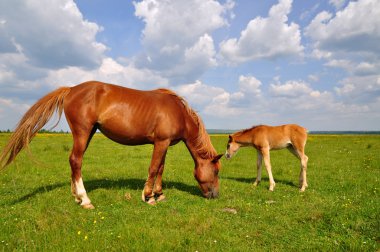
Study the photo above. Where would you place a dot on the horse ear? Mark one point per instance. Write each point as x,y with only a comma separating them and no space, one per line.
230,137
216,158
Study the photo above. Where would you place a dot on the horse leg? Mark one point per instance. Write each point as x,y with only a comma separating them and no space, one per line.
299,153
302,179
157,191
157,163
81,142
259,166
266,155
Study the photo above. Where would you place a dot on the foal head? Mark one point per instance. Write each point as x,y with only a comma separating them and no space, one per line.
232,147
206,173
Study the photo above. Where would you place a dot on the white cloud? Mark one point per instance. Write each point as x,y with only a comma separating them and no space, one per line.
249,85
176,36
50,34
265,38
219,103
290,89
337,3
360,89
349,39
109,71
199,94
355,29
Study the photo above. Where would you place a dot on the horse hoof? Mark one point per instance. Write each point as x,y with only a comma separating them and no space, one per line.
161,198
151,201
88,206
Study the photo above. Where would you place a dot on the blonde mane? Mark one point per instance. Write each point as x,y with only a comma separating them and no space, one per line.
203,143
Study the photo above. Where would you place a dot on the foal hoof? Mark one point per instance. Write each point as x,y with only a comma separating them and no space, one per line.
271,187
302,189
88,206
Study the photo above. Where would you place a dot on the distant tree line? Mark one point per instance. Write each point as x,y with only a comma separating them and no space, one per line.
40,131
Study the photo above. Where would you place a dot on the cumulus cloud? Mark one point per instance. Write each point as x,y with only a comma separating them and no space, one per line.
349,39
249,85
110,71
337,3
300,102
176,36
265,38
355,29
360,89
219,103
26,28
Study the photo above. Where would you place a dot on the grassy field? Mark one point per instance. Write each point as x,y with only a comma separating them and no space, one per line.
340,211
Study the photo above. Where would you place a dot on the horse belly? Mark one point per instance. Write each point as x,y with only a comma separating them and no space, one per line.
127,133
279,146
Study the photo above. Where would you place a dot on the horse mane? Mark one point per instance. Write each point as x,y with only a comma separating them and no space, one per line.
203,145
244,131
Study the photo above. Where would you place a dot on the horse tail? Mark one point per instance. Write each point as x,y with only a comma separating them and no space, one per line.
33,120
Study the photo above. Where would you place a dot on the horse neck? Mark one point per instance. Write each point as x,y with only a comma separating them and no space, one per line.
199,144
244,138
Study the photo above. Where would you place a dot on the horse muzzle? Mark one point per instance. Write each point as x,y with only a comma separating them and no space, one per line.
212,194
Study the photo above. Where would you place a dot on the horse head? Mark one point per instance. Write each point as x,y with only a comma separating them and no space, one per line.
232,147
206,173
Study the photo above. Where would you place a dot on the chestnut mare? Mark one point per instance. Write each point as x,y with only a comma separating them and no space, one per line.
265,138
126,116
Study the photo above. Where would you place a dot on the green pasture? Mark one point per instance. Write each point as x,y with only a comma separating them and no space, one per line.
340,211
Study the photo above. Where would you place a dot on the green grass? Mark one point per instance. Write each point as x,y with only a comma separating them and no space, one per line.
340,211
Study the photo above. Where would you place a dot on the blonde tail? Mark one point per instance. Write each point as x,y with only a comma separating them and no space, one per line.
33,120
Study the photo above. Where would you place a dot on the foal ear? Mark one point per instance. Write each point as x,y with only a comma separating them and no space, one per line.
216,158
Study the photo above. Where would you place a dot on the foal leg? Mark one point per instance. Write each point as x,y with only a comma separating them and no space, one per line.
266,155
157,162
77,187
259,166
303,181
299,153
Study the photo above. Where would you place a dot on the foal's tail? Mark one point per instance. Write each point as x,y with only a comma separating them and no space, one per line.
33,120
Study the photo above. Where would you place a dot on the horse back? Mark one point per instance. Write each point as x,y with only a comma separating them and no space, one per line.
125,115
278,137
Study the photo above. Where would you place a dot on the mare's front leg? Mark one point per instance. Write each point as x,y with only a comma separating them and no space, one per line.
155,169
266,155
259,165
157,191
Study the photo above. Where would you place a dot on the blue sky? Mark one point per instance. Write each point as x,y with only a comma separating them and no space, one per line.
238,62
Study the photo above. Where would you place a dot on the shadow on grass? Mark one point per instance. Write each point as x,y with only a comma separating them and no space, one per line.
91,185
251,180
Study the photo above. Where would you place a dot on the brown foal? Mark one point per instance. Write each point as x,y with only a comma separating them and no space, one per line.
265,138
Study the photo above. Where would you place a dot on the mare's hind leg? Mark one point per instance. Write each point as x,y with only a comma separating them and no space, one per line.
81,141
156,168
299,153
